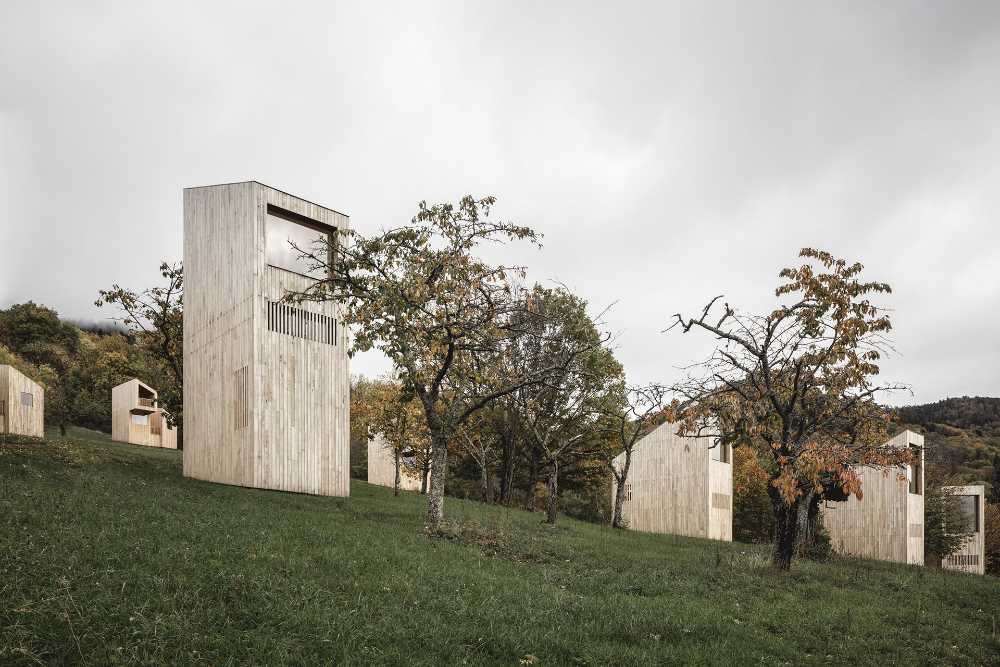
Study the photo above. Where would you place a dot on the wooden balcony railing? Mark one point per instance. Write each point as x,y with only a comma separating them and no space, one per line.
147,402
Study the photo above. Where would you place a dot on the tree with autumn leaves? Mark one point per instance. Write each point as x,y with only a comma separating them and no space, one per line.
421,295
798,385
381,408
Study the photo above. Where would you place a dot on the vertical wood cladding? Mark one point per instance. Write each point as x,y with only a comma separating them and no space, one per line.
22,404
888,522
266,383
675,487
382,467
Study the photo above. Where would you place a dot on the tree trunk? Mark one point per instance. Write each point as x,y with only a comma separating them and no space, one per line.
425,472
529,497
62,429
507,469
439,470
395,490
487,482
552,506
785,529
616,512
808,524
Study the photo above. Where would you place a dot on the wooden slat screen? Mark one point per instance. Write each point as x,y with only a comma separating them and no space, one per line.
285,319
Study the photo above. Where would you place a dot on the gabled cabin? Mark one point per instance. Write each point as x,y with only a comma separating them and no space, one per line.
138,419
22,404
888,522
382,466
679,485
266,382
971,557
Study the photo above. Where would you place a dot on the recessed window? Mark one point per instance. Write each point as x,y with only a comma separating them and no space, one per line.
915,472
969,509
288,237
27,400
140,420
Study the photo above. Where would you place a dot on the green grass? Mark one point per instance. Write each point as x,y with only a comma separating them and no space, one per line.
109,556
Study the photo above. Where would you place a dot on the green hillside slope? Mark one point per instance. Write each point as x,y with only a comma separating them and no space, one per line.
962,437
109,556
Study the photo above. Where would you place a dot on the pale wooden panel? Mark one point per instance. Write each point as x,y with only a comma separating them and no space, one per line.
382,467
971,557
125,401
670,487
880,525
18,418
720,488
270,407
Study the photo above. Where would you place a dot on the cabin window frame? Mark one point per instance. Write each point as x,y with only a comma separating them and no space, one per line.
976,511
27,400
138,419
915,473
329,231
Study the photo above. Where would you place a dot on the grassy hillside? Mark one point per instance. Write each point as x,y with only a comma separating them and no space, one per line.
108,556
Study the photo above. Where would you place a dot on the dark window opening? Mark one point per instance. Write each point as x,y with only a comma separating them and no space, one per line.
969,510
289,236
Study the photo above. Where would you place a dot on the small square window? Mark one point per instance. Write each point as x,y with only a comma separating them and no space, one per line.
27,400
140,420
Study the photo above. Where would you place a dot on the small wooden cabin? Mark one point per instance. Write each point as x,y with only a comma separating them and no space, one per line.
679,485
22,404
382,466
138,419
266,382
888,522
972,556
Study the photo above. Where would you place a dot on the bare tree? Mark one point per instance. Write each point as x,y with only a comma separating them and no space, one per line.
639,410
797,385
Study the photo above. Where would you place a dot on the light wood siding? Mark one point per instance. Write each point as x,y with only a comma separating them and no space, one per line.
264,407
382,467
971,557
125,402
671,486
17,417
887,523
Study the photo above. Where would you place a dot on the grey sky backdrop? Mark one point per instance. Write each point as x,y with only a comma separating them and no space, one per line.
668,152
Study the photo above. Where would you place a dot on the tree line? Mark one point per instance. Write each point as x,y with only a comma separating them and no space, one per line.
516,386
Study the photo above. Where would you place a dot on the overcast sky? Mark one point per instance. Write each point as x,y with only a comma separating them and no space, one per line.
668,152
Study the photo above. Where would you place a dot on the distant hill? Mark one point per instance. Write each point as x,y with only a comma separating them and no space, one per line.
962,436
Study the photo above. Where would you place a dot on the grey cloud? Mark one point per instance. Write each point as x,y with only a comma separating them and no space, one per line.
669,152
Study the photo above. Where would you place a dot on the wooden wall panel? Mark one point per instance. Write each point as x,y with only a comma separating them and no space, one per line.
382,467
263,408
19,418
971,557
887,523
670,487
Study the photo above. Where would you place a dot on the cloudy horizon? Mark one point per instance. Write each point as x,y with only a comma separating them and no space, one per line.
666,153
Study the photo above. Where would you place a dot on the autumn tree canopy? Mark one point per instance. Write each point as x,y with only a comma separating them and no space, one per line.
799,385
420,294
